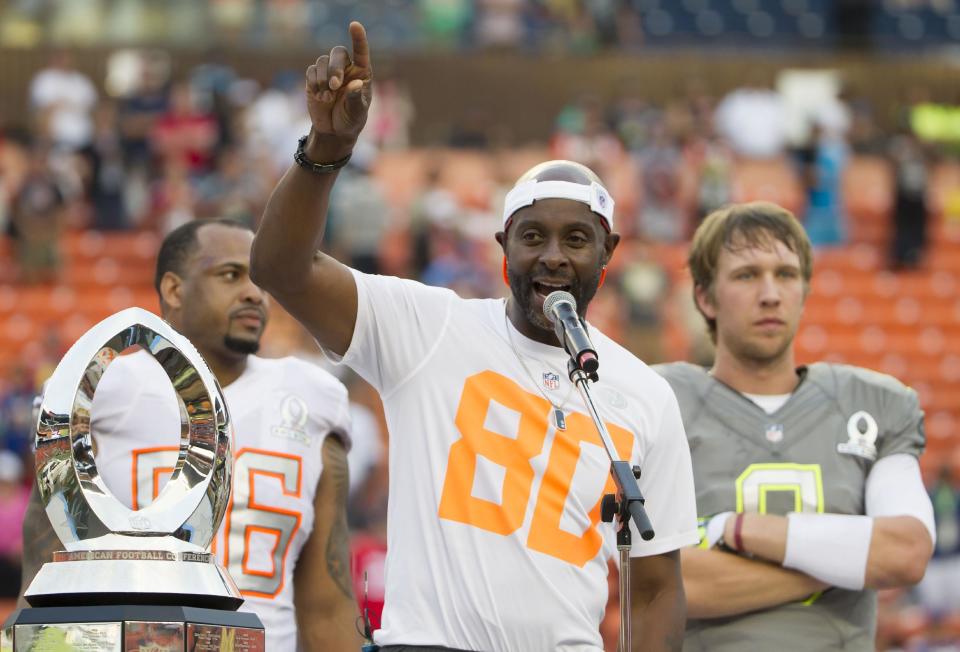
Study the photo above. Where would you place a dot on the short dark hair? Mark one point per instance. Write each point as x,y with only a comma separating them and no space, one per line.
181,242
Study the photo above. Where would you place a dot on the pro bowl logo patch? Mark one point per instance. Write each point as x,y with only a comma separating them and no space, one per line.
551,380
293,421
862,431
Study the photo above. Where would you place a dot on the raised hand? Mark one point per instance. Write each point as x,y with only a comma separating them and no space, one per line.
339,90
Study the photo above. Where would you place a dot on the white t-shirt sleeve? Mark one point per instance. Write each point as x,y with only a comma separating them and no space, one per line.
666,482
399,325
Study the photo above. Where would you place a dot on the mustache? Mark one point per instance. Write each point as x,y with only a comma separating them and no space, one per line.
259,310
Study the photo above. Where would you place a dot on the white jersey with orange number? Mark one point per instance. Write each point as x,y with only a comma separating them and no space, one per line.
494,539
281,412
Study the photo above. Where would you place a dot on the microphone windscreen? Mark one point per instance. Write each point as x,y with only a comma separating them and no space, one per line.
559,296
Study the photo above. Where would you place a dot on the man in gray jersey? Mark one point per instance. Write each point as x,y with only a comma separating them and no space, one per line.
808,483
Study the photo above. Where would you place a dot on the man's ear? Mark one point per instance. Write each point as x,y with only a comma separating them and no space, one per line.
501,237
171,290
705,301
610,242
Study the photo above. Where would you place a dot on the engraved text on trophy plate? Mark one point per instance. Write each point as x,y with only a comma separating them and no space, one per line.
216,638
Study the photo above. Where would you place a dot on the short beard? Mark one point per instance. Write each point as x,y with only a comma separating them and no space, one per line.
237,345
522,289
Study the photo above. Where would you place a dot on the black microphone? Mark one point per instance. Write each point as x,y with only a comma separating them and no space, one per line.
561,309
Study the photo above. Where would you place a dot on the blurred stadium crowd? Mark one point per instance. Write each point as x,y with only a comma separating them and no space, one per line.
93,172
561,26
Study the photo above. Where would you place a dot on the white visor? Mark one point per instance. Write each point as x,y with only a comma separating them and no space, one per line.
526,192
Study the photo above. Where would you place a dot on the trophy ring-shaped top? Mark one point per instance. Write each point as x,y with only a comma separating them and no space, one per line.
83,511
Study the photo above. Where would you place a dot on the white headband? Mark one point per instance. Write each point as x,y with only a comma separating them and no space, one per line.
526,192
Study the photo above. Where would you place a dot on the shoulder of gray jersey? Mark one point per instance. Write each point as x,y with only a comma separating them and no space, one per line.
894,405
690,384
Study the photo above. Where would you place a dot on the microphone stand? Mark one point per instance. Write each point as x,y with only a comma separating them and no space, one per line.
625,505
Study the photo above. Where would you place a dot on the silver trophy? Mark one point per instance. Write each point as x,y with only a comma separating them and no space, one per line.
132,579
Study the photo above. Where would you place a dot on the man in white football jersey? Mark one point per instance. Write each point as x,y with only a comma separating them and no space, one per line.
284,538
807,477
496,471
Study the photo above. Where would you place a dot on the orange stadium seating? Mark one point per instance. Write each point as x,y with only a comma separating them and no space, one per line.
907,324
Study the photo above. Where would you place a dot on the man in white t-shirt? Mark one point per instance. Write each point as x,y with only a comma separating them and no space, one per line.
284,537
496,471
65,99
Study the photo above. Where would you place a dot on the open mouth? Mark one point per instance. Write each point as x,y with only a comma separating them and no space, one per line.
544,289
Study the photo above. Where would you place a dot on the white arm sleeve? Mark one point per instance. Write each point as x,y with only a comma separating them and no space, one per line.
895,488
834,547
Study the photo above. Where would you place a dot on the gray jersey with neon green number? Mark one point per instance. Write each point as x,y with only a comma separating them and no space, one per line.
813,454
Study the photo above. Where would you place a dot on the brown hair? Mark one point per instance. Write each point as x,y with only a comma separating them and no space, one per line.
737,226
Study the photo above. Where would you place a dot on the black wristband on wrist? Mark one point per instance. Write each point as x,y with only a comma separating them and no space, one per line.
317,168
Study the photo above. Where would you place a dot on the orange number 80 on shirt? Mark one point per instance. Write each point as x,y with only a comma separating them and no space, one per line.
457,503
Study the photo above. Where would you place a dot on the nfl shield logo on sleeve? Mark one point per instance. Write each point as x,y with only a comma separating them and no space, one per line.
551,380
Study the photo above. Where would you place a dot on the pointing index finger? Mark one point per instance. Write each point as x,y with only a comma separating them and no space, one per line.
361,49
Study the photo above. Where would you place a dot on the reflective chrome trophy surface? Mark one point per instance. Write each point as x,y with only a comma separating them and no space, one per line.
132,580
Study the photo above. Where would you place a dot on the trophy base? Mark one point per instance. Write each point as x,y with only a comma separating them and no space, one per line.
132,628
107,575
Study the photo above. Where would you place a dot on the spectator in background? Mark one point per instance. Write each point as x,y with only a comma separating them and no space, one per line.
644,286
446,23
368,556
824,165
632,118
661,216
63,99
138,112
582,135
866,137
186,134
36,220
434,207
234,189
358,213
391,115
212,81
173,200
107,175
276,120
14,165
14,496
16,411
752,120
603,15
939,591
713,162
499,23
911,175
